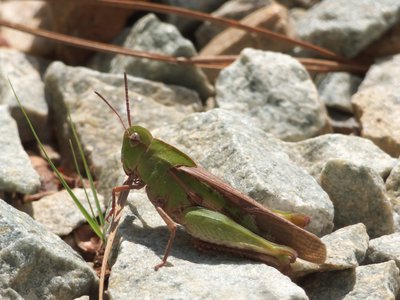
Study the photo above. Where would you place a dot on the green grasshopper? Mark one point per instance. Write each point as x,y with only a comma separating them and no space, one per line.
215,214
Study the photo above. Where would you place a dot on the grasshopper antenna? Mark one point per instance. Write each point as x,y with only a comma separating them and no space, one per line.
112,108
128,110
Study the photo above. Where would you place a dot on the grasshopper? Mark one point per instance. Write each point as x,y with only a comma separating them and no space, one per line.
215,214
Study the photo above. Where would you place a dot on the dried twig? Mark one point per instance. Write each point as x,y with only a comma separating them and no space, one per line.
212,62
122,198
219,20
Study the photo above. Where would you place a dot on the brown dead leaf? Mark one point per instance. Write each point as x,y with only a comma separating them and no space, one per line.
4,42
86,239
48,179
72,178
37,196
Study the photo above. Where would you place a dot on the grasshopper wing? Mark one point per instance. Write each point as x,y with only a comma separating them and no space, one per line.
307,245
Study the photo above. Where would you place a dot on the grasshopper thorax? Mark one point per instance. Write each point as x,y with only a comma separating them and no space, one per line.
136,141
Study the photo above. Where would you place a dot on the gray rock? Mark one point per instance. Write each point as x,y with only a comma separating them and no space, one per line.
153,105
37,264
274,90
377,104
346,246
313,154
83,298
16,171
231,147
343,123
151,35
383,73
10,294
185,24
393,193
377,281
358,195
112,175
384,248
296,14
347,27
376,110
346,249
336,89
59,213
190,274
233,9
24,73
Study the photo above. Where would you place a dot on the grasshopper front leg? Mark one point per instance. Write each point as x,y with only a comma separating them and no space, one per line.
136,185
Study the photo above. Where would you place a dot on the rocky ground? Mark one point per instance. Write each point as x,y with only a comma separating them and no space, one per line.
326,145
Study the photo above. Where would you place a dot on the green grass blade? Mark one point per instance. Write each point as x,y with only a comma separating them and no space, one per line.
92,224
81,178
87,170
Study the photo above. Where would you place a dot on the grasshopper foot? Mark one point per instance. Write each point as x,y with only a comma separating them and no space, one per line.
160,265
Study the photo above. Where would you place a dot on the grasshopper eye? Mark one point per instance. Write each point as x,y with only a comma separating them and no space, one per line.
134,139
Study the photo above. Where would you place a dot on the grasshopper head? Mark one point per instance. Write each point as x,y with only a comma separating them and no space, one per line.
135,143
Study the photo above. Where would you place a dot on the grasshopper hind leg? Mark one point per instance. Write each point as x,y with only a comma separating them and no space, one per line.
215,231
210,248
